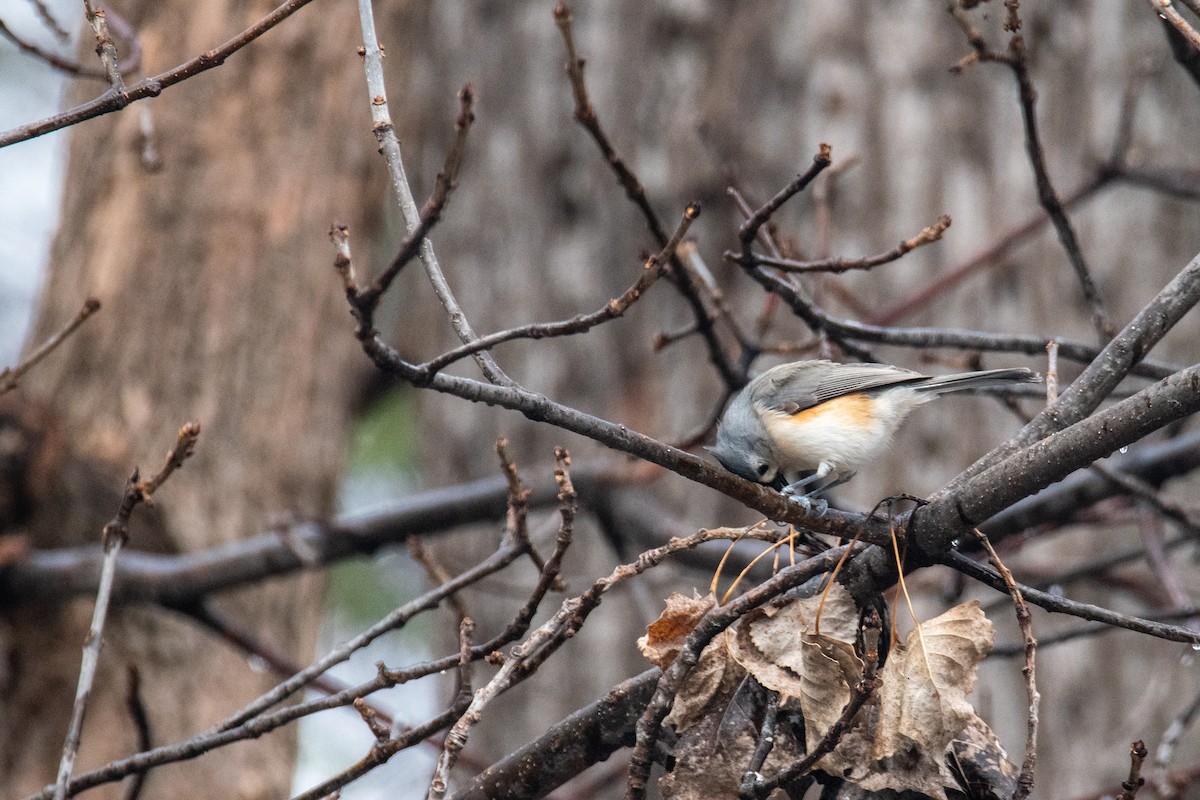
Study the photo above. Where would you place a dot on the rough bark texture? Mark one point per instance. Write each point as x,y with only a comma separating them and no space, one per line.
218,306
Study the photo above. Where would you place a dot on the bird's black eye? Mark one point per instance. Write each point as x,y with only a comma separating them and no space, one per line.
762,469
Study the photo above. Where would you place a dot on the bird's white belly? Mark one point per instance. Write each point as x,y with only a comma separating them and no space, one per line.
844,433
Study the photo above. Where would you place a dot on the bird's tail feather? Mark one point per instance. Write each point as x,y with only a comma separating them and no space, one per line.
977,380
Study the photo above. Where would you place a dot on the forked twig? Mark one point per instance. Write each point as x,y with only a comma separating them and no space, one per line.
114,535
389,145
928,234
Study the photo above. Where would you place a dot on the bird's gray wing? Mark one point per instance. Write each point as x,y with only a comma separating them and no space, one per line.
794,387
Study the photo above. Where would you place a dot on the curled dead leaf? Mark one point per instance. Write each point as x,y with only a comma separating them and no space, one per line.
901,738
663,640
664,637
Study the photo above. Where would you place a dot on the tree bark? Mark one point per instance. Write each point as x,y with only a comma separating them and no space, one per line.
219,305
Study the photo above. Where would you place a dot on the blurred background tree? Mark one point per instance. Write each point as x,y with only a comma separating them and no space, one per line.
219,305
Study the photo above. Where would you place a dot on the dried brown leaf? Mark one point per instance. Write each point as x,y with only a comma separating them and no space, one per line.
664,637
831,668
980,765
663,640
900,740
711,756
769,642
695,698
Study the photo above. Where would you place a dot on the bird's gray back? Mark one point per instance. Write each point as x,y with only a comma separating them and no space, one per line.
802,385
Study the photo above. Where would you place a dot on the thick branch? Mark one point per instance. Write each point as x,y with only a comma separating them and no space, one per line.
588,736
1119,358
1050,460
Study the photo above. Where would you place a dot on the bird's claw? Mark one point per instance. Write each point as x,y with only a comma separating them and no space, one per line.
811,505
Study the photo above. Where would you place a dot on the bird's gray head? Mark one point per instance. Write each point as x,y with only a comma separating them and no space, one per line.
743,446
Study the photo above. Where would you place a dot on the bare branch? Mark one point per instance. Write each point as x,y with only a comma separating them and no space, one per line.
1025,623
585,115
588,736
1022,474
106,49
389,145
580,323
500,559
749,230
431,212
154,85
11,376
1166,10
1109,368
931,233
1135,781
843,330
1060,604
1016,61
67,65
114,535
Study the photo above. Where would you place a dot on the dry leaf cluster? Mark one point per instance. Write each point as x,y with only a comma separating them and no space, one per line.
918,732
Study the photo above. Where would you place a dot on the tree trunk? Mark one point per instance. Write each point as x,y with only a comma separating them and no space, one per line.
219,305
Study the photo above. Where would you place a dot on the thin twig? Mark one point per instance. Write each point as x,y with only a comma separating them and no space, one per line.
10,376
135,704
114,535
66,65
1051,371
585,115
1025,623
155,84
1055,602
500,559
1135,781
748,232
989,256
1139,488
106,49
131,63
1170,738
580,323
1084,631
431,212
456,739
389,145
931,233
1166,10
469,707
437,574
1016,61
266,722
845,330
50,21
766,743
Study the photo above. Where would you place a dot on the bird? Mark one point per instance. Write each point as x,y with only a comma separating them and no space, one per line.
811,424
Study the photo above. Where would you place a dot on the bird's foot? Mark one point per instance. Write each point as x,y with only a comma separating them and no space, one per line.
810,504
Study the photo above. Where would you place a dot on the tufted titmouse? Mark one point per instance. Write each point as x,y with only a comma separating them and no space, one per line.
826,419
